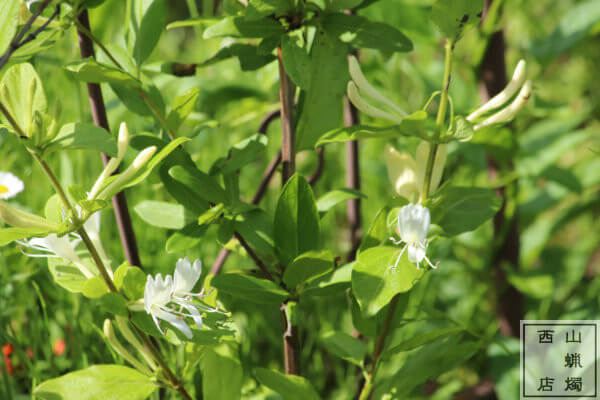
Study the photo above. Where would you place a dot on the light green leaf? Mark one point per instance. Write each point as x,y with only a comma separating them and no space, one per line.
462,209
296,228
335,197
249,288
9,9
331,283
261,8
203,185
378,231
222,373
423,339
186,238
290,387
241,27
536,285
83,136
107,382
375,283
161,214
296,61
241,153
453,17
16,85
90,70
308,266
346,347
201,22
8,235
94,288
364,34
322,106
149,21
133,280
183,105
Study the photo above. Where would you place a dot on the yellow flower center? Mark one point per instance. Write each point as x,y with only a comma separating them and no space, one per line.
3,189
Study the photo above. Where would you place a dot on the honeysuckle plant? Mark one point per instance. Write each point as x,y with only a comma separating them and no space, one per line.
302,308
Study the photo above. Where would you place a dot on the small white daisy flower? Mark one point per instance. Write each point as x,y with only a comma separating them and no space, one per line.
413,226
10,185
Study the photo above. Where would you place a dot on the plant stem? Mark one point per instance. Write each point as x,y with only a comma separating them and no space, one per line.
441,117
253,255
85,31
379,346
351,118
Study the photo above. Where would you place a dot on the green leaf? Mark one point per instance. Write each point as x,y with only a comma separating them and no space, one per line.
361,33
9,9
375,283
453,17
308,266
83,136
240,154
222,373
346,347
186,238
212,215
8,235
297,227
572,28
115,304
67,276
246,54
183,106
536,285
249,288
241,27
411,125
261,8
133,100
203,185
201,22
161,214
335,197
16,84
423,339
256,227
290,387
462,209
90,70
149,21
133,280
378,231
42,42
296,61
322,106
94,288
331,283
108,382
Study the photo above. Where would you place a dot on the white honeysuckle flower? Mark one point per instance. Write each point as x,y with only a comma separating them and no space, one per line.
10,185
165,298
53,246
413,226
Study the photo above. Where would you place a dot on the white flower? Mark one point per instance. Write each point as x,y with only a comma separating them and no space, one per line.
53,246
165,298
413,226
10,185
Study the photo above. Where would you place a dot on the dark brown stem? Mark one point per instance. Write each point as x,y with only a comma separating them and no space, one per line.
122,215
506,231
259,263
262,186
288,127
291,343
352,180
16,42
312,180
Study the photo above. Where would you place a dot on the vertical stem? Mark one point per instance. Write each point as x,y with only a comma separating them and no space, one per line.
122,215
506,228
291,344
288,127
441,117
352,180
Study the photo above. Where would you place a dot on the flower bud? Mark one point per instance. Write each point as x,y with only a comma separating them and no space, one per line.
22,219
505,95
362,105
508,112
123,325
438,165
111,338
123,140
364,86
142,158
402,172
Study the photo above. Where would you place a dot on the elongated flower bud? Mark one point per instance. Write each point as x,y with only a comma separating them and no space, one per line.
363,85
141,160
111,338
508,112
22,219
505,95
128,334
366,108
123,140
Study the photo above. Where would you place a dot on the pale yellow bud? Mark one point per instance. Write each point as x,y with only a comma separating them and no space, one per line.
22,219
402,172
